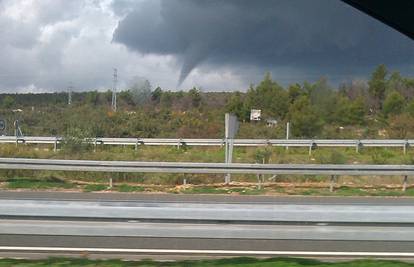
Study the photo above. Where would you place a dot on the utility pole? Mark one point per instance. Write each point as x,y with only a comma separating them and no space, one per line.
114,89
70,89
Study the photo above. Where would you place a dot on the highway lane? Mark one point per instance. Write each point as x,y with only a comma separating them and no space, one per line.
199,198
323,231
227,212
121,206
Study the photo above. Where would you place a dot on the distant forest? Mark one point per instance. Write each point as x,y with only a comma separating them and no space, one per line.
382,107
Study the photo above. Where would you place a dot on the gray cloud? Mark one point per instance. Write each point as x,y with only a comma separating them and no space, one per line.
228,44
123,7
319,37
47,44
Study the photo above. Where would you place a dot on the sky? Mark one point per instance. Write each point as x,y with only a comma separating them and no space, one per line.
215,45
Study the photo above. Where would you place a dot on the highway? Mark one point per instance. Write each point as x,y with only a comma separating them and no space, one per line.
52,223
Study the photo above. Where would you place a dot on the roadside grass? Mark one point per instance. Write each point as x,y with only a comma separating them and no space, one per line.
204,190
338,191
349,191
129,188
251,191
95,187
32,183
216,154
221,190
54,183
240,262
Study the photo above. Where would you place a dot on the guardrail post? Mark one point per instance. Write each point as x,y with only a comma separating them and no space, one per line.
110,183
406,144
55,145
331,186
405,183
22,139
139,143
136,144
358,146
227,178
259,181
311,147
287,133
94,145
228,157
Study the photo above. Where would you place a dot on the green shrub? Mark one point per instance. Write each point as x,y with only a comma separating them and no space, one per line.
381,156
263,155
76,141
331,157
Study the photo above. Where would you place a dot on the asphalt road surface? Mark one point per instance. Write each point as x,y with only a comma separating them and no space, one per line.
55,223
36,195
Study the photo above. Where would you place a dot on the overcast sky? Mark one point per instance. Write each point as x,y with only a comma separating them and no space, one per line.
178,44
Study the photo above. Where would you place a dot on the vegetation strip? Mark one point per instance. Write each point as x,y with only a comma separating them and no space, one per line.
229,262
381,108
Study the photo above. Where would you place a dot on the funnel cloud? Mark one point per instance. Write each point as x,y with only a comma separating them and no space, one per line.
323,37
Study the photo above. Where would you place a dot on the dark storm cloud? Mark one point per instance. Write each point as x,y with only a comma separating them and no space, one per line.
321,36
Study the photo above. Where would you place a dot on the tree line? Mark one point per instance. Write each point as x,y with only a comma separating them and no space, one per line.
385,102
382,107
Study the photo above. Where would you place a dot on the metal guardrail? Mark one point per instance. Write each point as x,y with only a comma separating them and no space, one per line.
210,168
311,143
334,170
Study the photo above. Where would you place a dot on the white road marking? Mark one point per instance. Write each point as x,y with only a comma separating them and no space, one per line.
217,252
